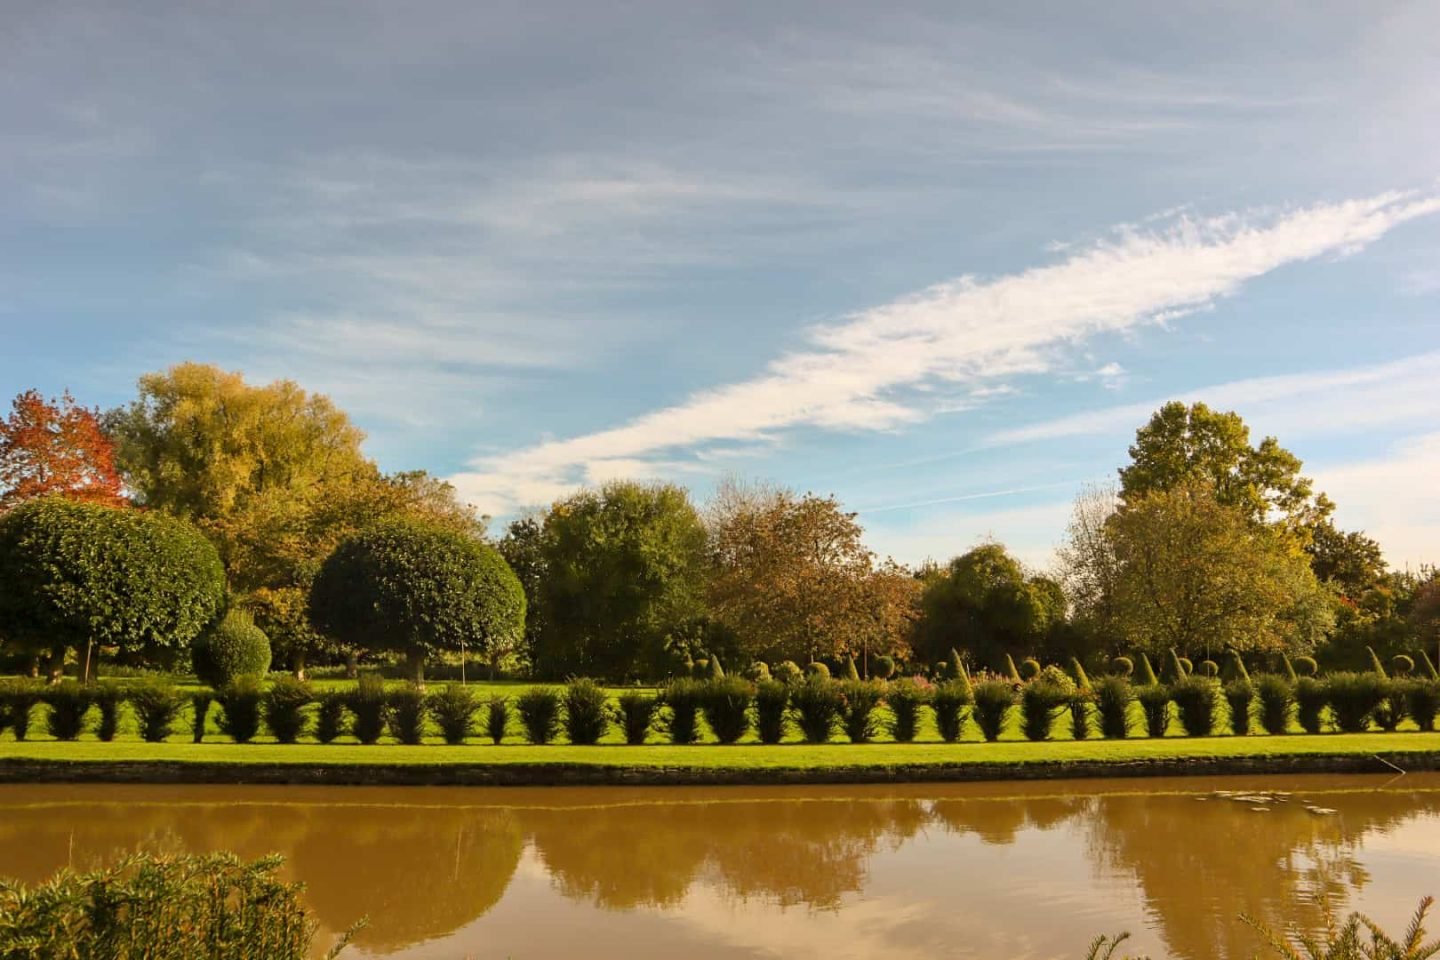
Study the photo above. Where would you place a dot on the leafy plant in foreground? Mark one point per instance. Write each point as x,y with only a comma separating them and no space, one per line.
905,697
586,713
539,710
772,700
1112,702
858,700
817,707
951,701
994,699
284,705
636,709
240,702
726,705
156,704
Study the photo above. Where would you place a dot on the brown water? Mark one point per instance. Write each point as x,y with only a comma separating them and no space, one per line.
986,870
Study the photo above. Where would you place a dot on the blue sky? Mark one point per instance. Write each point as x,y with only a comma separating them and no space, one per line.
939,259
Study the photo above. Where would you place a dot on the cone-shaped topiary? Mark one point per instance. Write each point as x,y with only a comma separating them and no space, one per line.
1147,672
1122,667
955,664
1187,666
1290,673
851,673
716,672
1429,666
234,648
1234,668
1376,666
1082,681
1174,667
968,688
1011,672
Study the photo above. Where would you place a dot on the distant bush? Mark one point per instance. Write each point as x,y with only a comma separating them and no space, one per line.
156,704
683,700
1422,698
905,697
369,705
788,671
1239,694
1195,698
200,703
240,701
1040,704
817,707
1310,700
1112,702
758,672
108,697
1155,702
817,669
884,668
1394,707
587,715
453,707
1082,680
285,704
330,715
233,648
497,718
69,703
994,700
636,709
951,702
1354,698
1276,698
858,700
726,705
772,698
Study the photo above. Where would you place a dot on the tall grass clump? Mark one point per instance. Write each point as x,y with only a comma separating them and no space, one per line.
200,703
1276,697
772,702
1155,702
636,711
155,704
587,715
683,699
817,707
330,715
453,707
497,718
905,697
1112,702
1040,704
1354,699
1194,698
369,706
284,706
108,698
994,700
405,713
69,703
240,708
1310,700
1239,694
726,706
951,702
1422,699
858,701
19,699
539,710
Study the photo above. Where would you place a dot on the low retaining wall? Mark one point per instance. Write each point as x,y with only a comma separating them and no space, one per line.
27,770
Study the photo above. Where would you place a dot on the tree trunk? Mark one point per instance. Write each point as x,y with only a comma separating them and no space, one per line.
352,665
87,672
297,665
415,661
55,665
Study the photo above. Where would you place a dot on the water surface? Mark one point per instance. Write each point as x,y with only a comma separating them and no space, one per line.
980,870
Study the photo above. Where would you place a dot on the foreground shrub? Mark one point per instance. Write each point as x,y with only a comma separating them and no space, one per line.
200,702
405,713
211,907
1358,938
772,698
234,648
330,715
155,704
586,711
1354,698
1239,694
817,708
994,699
726,706
453,707
368,705
858,700
1079,707
1195,698
69,703
539,710
636,709
240,709
951,701
497,718
683,699
1112,702
285,704
1040,705
18,699
1155,701
1310,699
905,697
1277,699
1422,699
108,697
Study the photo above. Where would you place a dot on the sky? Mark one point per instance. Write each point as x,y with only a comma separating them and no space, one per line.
938,259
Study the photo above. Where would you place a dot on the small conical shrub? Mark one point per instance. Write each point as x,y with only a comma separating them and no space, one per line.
1175,668
956,666
1430,670
851,673
717,672
1376,666
1082,681
1147,672
1010,670
1234,668
1290,673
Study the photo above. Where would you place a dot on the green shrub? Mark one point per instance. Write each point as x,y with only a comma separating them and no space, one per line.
1239,694
1234,668
772,698
69,703
1174,667
1029,669
715,671
285,704
1310,700
1079,707
200,702
1402,665
1082,679
905,697
1122,667
1195,699
1112,702
1430,670
951,701
453,707
1209,669
330,715
586,711
405,713
155,704
994,699
884,667
788,671
726,705
1307,666
1376,667
637,711
497,718
1277,698
369,704
849,670
1422,699
758,672
817,707
1187,667
1040,704
1155,702
683,700
232,649
817,669
1354,698
19,699
1393,708
1147,672
858,700
954,666
1011,673
1289,665
108,697
240,702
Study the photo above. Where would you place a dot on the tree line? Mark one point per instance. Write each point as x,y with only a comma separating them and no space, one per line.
138,533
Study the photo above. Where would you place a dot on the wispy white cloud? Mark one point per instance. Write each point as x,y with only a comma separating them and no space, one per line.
860,374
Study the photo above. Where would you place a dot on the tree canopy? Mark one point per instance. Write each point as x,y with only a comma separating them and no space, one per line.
55,447
983,602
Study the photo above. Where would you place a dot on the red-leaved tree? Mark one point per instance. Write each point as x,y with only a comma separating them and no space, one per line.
55,448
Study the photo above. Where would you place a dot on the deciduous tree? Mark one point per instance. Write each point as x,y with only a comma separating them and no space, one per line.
983,602
55,447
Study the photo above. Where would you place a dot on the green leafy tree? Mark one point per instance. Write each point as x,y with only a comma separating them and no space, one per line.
76,576
413,588
983,602
1351,561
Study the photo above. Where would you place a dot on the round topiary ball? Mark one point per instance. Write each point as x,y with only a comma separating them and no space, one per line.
233,648
1056,678
884,667
759,671
1029,668
787,671
818,669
